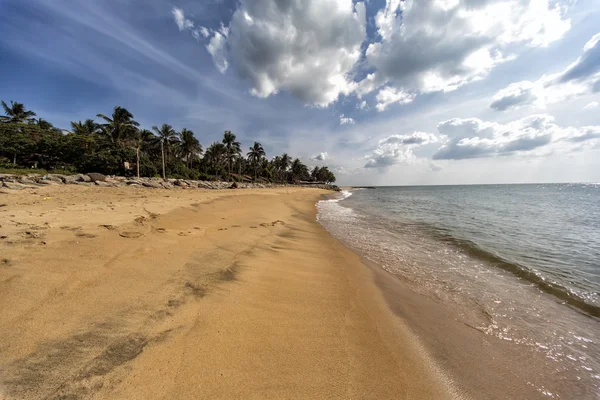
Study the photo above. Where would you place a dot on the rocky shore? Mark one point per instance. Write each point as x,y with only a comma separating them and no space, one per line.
32,181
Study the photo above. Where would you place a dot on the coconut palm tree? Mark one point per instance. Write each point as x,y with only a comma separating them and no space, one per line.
141,138
214,156
16,113
120,127
232,147
255,154
167,137
299,170
89,127
189,146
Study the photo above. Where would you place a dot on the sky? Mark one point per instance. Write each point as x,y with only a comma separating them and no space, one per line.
384,92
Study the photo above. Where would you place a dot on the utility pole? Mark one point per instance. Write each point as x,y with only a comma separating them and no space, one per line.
162,149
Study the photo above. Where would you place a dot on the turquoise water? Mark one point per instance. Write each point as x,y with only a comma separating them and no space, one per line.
519,262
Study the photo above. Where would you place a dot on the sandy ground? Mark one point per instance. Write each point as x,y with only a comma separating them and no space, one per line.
122,293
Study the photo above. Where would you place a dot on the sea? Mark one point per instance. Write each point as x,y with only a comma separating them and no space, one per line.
517,262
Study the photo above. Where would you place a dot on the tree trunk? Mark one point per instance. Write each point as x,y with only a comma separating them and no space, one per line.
15,159
137,162
162,150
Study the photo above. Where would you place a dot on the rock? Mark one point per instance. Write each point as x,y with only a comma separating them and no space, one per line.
180,183
150,184
55,177
26,181
167,185
17,186
106,184
47,182
233,186
96,177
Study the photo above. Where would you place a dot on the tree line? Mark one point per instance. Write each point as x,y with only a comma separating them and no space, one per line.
117,145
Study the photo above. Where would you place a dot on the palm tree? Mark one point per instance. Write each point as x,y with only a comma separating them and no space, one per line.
214,156
167,137
232,148
16,113
89,127
299,170
120,127
255,154
189,146
141,137
45,125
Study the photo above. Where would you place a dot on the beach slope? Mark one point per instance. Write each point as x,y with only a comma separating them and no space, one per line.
159,294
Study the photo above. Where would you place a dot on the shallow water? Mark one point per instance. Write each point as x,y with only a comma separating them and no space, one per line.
519,262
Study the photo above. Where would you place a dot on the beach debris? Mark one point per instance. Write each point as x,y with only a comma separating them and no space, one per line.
131,235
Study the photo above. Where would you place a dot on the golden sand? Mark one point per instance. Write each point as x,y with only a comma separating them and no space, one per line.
123,293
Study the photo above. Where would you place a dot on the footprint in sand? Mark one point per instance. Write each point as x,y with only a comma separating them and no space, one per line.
161,230
85,235
131,235
236,226
109,227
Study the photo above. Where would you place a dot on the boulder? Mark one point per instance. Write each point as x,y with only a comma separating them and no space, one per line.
233,186
55,177
47,182
17,186
26,181
151,184
96,177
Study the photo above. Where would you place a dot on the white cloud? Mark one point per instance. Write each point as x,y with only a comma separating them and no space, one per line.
591,105
533,135
346,120
579,78
362,105
180,20
434,45
307,48
389,95
217,47
320,157
397,149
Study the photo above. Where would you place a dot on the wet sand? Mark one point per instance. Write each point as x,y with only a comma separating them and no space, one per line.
127,293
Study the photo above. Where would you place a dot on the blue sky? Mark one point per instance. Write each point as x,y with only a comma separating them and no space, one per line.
384,92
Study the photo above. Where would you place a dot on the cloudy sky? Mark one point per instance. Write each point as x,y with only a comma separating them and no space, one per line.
383,91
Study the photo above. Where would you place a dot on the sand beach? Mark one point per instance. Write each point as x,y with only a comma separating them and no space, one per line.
131,293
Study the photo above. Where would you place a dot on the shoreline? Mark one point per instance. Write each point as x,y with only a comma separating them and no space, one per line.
222,294
482,365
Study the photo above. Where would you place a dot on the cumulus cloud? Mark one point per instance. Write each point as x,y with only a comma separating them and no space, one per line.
579,78
346,120
320,157
313,49
434,45
591,105
397,149
307,48
217,47
390,95
474,138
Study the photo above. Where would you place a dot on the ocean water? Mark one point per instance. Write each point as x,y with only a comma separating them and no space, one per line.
518,262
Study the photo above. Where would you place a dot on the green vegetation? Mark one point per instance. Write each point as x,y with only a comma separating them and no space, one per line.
117,145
